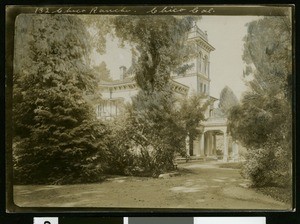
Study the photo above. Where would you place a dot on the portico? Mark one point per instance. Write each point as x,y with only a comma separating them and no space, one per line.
205,145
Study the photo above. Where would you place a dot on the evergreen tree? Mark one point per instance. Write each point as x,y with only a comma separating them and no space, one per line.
263,120
102,72
227,100
57,138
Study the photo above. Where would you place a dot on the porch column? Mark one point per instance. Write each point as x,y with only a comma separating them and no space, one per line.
225,148
201,144
196,147
235,151
214,144
187,145
209,144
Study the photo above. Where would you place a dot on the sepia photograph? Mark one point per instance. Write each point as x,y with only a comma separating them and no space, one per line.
185,108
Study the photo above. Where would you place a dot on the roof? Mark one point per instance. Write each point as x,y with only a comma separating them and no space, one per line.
129,82
218,113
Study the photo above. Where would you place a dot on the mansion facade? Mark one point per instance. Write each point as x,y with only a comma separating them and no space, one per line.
116,93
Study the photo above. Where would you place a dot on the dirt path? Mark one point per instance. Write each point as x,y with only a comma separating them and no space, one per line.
201,185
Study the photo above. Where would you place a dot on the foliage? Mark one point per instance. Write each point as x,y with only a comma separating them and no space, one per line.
268,166
102,72
154,129
263,120
259,119
146,137
57,138
181,70
160,42
121,153
99,28
191,113
158,131
268,54
137,146
227,100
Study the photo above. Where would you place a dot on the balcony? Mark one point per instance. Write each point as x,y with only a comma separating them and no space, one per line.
215,121
196,32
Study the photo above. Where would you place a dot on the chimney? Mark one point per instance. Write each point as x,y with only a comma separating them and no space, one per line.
122,72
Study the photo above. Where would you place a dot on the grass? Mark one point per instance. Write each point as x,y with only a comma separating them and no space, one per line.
279,193
283,194
232,165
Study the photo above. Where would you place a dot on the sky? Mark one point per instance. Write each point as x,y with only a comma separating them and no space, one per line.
225,33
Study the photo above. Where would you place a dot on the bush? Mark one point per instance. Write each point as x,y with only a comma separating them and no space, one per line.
268,166
56,136
79,160
136,149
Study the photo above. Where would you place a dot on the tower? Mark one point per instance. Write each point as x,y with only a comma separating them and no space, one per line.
198,76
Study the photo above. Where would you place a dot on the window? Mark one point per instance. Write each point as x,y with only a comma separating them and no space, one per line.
99,110
116,109
204,88
205,65
107,109
199,61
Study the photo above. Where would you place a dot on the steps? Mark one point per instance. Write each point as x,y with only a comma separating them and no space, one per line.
196,158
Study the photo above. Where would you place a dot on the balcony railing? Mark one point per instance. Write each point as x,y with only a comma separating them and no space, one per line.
196,31
215,121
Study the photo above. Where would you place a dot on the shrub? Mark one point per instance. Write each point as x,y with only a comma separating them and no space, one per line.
56,136
79,160
142,147
268,166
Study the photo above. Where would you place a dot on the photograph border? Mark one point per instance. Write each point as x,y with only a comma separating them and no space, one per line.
13,11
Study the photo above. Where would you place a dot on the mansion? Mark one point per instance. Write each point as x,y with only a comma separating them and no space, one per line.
213,130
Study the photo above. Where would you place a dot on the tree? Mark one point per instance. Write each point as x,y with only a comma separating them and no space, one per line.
57,138
227,100
102,72
268,53
160,42
263,120
192,113
158,130
99,28
146,137
160,45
